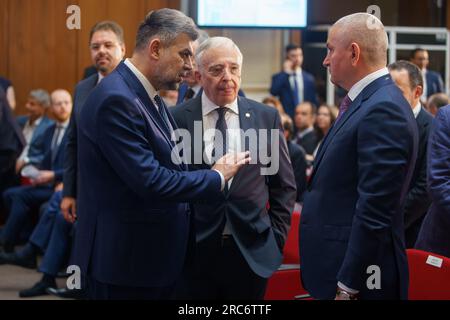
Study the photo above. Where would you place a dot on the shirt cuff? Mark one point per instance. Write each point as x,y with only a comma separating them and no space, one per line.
345,288
222,180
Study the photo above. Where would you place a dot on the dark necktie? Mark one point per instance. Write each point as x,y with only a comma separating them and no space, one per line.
346,102
162,112
55,141
220,140
296,90
189,94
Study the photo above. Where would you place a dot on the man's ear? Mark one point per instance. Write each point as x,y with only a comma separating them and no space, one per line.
418,92
154,49
198,76
356,53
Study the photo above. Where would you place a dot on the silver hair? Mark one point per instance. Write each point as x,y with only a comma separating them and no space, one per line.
216,42
368,32
41,96
167,25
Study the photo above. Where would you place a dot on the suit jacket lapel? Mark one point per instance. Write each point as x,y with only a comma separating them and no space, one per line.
136,86
364,95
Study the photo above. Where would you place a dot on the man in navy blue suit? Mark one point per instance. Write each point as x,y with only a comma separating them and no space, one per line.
352,232
133,211
293,85
434,236
21,200
432,80
33,127
408,78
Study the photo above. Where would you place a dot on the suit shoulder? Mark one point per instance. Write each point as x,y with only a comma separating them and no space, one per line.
87,84
425,116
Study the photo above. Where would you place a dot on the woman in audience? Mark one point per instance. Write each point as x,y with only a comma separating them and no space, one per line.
326,115
274,102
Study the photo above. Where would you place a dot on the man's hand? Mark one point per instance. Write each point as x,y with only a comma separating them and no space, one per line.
69,209
19,165
45,177
230,164
288,66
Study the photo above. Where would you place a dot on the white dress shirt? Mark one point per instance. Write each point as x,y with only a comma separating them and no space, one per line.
425,86
417,109
299,77
28,131
210,117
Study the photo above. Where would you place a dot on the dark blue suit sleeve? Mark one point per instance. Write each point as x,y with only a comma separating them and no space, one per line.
439,162
384,146
70,159
120,137
278,80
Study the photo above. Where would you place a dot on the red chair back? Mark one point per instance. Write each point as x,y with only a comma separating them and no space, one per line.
285,285
429,276
290,251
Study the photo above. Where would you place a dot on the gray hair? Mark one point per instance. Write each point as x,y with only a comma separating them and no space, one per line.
165,24
368,32
216,42
41,96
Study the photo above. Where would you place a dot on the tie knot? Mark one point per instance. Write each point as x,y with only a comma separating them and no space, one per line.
345,104
189,94
222,111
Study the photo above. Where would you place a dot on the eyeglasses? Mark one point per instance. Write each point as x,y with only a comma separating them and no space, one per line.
219,70
108,45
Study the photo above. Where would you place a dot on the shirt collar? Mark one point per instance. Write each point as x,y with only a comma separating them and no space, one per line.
143,80
100,77
416,109
208,106
36,122
364,82
63,124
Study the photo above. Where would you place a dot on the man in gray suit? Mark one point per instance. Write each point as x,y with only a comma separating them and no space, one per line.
240,238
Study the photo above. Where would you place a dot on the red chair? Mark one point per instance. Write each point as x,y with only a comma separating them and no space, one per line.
429,276
290,251
285,285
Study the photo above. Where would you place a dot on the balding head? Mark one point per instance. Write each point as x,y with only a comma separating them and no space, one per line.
368,32
357,47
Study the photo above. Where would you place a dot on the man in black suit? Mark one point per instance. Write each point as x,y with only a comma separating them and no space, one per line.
306,136
408,78
239,237
432,81
11,145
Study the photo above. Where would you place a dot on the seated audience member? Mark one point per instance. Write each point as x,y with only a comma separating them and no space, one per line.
274,102
437,101
297,156
432,81
326,115
52,237
408,78
7,86
11,145
306,136
33,127
434,235
21,200
293,85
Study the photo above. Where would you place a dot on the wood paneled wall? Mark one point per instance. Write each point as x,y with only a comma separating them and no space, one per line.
38,51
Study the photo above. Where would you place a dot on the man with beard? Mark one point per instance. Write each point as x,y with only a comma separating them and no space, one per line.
133,215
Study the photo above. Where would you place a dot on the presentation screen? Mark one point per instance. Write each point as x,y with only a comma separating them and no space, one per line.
252,14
